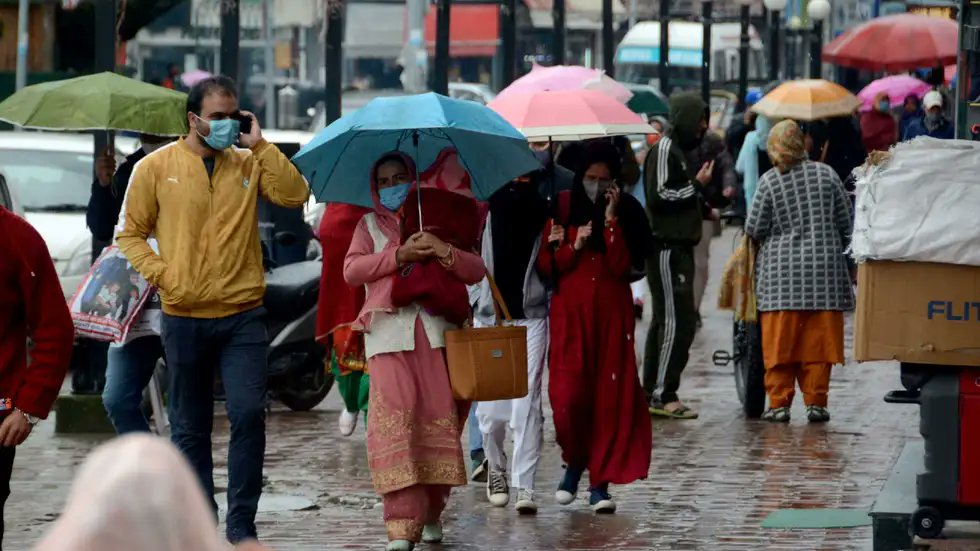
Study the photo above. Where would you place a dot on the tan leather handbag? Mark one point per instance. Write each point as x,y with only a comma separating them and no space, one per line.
488,363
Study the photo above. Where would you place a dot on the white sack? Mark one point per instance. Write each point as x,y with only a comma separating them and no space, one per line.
923,205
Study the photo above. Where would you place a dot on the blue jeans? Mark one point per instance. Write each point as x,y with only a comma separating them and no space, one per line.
236,346
127,373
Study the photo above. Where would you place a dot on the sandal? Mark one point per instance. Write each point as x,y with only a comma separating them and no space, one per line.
680,412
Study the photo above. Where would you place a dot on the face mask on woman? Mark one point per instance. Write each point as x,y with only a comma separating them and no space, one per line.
884,105
594,187
224,133
392,197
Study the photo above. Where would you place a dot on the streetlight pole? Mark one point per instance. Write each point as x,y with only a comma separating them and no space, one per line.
440,81
558,39
743,50
608,42
508,42
334,60
664,68
230,28
774,7
816,45
818,10
706,51
23,12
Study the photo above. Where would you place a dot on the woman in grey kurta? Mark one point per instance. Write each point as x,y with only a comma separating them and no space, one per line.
802,218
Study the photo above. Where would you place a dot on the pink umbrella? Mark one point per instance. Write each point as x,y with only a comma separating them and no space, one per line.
567,77
898,87
191,78
568,115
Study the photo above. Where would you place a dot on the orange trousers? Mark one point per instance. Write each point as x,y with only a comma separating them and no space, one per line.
800,346
814,379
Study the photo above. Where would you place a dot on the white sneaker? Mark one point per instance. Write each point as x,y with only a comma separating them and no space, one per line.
432,533
348,422
498,493
400,545
525,502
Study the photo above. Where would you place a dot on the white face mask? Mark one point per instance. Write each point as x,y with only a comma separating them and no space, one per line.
591,189
151,147
594,188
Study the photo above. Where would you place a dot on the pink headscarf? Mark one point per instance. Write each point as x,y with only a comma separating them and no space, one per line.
445,174
135,492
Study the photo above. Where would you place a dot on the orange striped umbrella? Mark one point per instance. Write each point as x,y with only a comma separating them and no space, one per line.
807,100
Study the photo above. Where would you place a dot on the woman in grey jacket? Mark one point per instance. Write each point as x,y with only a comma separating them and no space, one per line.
802,218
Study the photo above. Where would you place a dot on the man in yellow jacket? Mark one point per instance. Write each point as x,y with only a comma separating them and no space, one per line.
197,196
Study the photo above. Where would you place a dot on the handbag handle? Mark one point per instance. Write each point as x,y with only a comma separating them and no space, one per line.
499,306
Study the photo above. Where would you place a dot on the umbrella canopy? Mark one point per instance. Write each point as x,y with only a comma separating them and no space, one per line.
104,101
567,77
898,87
901,42
807,100
191,78
338,160
570,115
647,100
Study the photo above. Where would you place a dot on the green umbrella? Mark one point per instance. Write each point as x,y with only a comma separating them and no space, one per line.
105,101
647,100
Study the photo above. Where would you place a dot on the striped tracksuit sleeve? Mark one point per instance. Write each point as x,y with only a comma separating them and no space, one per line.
670,182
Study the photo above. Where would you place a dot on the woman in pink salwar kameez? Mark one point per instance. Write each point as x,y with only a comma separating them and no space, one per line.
414,423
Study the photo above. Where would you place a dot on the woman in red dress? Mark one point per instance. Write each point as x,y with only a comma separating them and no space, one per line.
601,417
339,305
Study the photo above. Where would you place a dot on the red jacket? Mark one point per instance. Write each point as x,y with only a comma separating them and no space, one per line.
31,305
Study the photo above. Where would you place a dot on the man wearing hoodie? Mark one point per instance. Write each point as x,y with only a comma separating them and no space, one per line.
31,306
675,205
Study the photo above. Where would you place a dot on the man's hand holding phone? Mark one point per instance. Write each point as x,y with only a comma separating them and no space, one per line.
251,133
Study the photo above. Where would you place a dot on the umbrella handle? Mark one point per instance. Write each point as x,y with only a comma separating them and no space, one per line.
111,141
418,182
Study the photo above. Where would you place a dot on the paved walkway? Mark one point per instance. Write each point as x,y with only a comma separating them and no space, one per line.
711,483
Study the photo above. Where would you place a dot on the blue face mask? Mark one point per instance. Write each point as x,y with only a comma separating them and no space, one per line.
393,197
883,106
224,133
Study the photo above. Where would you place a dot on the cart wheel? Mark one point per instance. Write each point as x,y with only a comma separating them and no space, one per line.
749,368
927,523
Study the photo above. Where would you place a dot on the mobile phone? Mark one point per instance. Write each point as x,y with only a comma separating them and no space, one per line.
246,122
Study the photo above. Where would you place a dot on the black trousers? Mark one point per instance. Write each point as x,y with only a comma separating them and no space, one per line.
670,274
6,469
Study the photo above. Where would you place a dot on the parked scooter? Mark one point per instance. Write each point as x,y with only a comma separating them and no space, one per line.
297,375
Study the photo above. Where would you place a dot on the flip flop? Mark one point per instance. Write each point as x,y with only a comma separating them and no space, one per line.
682,412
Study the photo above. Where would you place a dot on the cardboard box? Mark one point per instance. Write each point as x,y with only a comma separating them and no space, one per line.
918,312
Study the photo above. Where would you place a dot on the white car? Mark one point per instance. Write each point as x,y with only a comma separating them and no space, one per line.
50,174
7,198
290,142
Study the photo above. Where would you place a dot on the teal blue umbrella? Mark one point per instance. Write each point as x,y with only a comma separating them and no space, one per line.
338,160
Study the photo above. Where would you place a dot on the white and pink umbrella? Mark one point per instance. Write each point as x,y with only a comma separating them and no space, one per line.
190,78
898,87
568,115
567,77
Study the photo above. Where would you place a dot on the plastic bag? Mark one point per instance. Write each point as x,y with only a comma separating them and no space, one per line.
110,299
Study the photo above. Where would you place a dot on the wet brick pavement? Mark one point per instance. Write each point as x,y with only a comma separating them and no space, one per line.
711,483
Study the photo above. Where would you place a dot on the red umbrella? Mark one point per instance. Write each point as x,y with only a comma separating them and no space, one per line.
894,43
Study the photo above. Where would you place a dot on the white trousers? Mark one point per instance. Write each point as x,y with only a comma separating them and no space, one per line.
523,415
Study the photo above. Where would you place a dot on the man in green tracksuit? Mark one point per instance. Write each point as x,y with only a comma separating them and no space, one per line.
674,203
